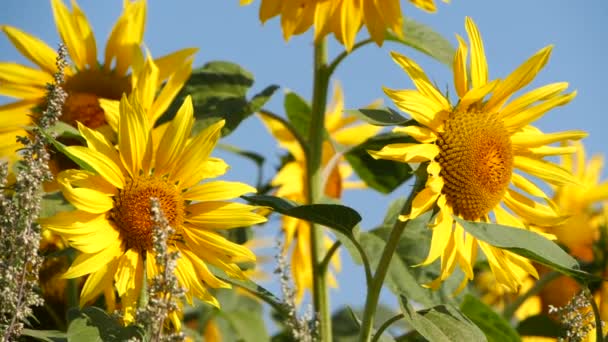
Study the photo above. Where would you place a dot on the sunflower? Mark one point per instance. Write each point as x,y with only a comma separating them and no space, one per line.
291,183
87,80
112,225
343,18
476,149
579,202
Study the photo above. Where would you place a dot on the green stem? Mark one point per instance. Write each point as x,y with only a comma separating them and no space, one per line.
510,310
315,191
373,291
599,334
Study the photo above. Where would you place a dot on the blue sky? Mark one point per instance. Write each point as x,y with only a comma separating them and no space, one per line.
512,31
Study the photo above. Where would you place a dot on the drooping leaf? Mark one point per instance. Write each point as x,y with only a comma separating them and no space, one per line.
298,112
45,335
219,91
426,40
527,244
379,117
379,174
540,325
494,326
441,323
94,324
335,216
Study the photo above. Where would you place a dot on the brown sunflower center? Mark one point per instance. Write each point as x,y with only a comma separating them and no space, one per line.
476,161
84,89
132,210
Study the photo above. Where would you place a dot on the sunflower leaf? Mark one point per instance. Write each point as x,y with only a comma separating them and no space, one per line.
379,174
528,244
494,326
379,117
441,323
94,324
424,39
339,217
63,149
298,112
219,91
45,335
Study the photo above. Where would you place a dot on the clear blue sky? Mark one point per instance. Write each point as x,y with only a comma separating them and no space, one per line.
512,31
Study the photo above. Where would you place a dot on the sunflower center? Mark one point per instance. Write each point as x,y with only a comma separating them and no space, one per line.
476,161
132,210
84,89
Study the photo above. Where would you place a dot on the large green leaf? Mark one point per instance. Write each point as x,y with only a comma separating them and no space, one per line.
219,91
528,244
335,216
94,324
494,326
45,335
379,117
244,315
424,39
441,323
382,175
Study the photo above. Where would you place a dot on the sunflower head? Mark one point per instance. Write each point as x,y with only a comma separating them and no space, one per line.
477,153
112,226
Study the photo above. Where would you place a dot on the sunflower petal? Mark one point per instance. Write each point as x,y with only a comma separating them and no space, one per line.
133,135
33,48
223,215
421,134
545,170
461,81
89,263
532,113
407,153
101,163
97,282
217,191
479,64
70,34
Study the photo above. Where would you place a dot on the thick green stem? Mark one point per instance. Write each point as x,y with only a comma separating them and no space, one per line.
315,192
373,291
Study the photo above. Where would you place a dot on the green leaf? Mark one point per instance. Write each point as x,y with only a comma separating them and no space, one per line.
339,217
298,112
248,325
441,323
94,324
63,149
379,117
381,175
45,335
424,39
528,244
219,91
540,325
494,326
253,288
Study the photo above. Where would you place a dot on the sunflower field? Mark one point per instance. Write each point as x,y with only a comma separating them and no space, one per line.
303,170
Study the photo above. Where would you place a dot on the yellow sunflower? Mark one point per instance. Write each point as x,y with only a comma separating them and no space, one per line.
580,202
291,183
87,80
473,149
343,18
112,226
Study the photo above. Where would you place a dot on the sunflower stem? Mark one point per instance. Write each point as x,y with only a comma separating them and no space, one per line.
373,291
315,191
334,64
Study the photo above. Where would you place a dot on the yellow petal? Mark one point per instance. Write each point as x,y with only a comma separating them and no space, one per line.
217,191
420,79
461,80
16,115
133,135
111,110
128,280
73,223
526,185
24,75
223,215
89,263
86,33
171,63
188,168
175,137
19,91
423,201
350,22
532,211
505,218
479,64
442,231
70,34
88,200
421,134
539,94
203,271
32,48
170,90
422,109
407,153
519,78
97,282
525,139
352,136
547,171
102,164
98,142
202,241
532,113
476,94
